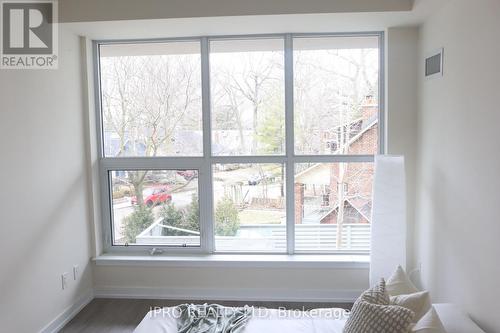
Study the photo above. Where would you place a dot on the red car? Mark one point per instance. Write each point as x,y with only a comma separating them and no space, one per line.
187,174
154,196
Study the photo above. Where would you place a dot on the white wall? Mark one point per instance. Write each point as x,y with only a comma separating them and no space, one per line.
402,108
458,224
328,285
44,208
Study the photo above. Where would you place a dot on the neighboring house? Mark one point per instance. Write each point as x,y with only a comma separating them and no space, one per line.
316,188
130,148
189,142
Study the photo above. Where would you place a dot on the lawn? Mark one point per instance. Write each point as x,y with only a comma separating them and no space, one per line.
250,216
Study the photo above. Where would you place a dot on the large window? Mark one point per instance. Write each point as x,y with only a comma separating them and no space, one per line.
248,97
239,144
151,99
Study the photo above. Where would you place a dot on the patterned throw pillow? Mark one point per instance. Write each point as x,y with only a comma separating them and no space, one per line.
376,295
372,313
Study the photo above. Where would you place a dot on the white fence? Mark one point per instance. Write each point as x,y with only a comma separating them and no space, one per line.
272,238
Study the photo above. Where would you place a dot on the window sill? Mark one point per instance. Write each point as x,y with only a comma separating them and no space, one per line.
238,260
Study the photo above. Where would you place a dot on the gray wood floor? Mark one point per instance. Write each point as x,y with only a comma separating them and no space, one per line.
123,315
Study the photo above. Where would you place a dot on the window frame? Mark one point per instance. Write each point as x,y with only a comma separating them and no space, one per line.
205,162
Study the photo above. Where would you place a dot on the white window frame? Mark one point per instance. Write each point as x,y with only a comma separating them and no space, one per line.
204,163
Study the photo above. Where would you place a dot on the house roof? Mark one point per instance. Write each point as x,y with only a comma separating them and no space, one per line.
302,176
362,206
319,173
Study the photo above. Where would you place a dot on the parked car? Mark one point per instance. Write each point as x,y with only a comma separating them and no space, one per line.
154,196
258,178
187,174
254,180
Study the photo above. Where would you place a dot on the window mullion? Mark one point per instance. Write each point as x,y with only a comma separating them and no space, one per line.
290,196
206,192
152,163
333,158
248,159
381,91
107,226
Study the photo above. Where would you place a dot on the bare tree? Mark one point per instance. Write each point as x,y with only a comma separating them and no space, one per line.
230,113
248,81
146,99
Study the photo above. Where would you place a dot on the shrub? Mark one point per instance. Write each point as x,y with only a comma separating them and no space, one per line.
187,218
192,221
227,221
171,216
118,194
141,218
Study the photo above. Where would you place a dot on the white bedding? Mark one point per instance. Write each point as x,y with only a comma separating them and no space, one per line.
455,320
264,320
320,321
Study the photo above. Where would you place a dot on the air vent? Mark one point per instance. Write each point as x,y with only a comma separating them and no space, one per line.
434,64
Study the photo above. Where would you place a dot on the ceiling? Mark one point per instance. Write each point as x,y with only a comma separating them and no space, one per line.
110,10
255,24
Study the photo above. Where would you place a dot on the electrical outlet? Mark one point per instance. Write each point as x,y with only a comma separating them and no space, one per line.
76,271
64,280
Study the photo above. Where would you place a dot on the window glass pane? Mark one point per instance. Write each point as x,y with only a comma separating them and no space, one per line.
333,197
155,207
336,95
249,207
151,99
247,96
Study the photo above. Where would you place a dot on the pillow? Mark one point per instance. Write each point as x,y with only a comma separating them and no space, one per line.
429,323
399,283
419,303
376,295
372,313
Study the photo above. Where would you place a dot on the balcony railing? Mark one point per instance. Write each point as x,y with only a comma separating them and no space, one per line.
272,238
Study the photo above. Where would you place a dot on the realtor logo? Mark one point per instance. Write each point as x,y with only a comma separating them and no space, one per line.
29,34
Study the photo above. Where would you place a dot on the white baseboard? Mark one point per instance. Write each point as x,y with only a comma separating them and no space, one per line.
224,294
64,317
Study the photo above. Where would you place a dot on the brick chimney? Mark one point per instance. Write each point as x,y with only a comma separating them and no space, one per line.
369,107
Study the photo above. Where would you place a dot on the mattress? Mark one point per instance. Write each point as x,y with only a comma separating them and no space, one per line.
455,320
331,320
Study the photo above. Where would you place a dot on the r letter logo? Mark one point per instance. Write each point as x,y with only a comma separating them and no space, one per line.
29,34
